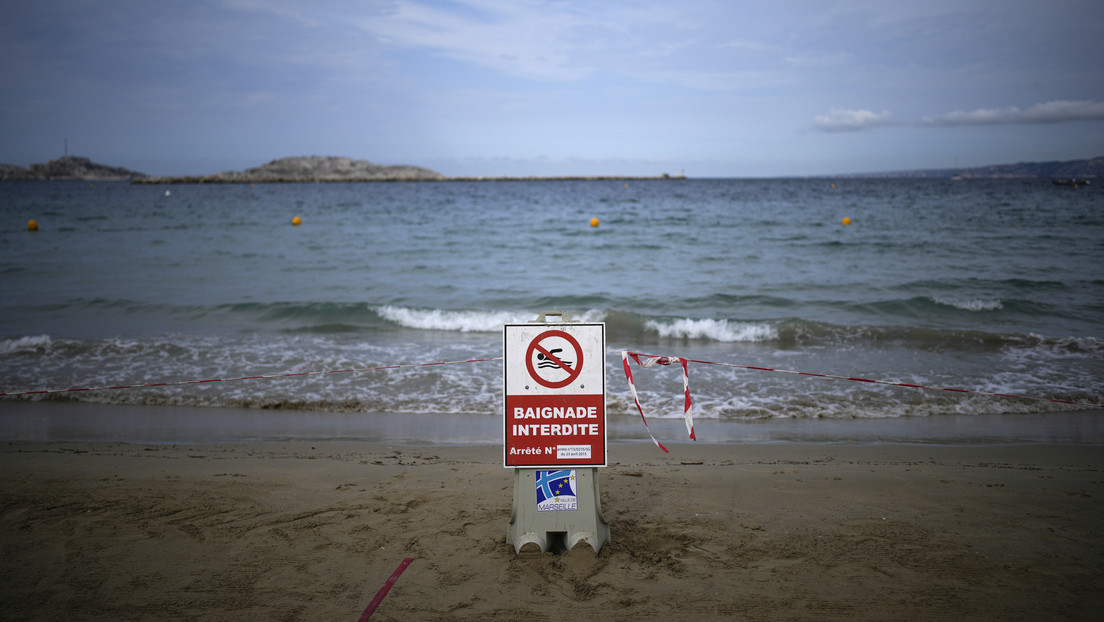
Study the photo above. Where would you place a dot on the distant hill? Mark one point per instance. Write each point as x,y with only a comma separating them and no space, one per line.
312,168
71,168
1072,169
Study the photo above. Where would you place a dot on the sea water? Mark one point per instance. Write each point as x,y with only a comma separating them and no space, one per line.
994,286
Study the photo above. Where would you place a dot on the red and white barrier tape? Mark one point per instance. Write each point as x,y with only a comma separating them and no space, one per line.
652,361
854,379
290,375
636,398
902,384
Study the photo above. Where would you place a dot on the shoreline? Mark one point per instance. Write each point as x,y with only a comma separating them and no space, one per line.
113,531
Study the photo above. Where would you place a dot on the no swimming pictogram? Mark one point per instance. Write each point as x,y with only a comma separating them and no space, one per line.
554,359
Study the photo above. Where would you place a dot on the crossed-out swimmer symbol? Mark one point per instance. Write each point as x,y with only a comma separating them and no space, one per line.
547,363
542,358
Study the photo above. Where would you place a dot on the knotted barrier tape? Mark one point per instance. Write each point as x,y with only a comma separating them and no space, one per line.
652,361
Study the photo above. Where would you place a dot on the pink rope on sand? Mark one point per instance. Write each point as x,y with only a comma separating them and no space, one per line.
384,590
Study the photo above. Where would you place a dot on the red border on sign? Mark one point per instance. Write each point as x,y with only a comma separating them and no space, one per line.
572,374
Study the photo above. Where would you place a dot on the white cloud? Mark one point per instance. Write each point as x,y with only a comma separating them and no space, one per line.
840,120
1059,111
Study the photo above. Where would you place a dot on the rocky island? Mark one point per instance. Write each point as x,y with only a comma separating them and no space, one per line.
307,169
69,168
331,168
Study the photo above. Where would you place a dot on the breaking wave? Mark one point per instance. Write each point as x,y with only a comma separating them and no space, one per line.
970,304
713,330
478,321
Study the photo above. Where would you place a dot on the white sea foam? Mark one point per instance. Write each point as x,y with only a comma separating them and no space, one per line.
462,321
25,344
969,304
714,330
1067,346
479,321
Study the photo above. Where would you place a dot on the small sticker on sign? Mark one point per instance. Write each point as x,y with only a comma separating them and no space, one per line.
572,452
556,491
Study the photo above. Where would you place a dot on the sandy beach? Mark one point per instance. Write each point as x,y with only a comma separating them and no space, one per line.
311,531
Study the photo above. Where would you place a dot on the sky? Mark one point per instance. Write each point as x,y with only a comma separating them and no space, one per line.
575,87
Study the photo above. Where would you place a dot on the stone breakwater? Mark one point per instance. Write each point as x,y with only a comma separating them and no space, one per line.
569,178
215,179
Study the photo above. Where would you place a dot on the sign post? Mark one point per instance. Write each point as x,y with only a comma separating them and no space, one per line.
554,432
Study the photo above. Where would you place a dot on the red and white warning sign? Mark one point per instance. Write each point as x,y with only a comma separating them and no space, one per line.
555,377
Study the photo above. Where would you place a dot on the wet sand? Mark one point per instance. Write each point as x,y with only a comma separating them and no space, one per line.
769,531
